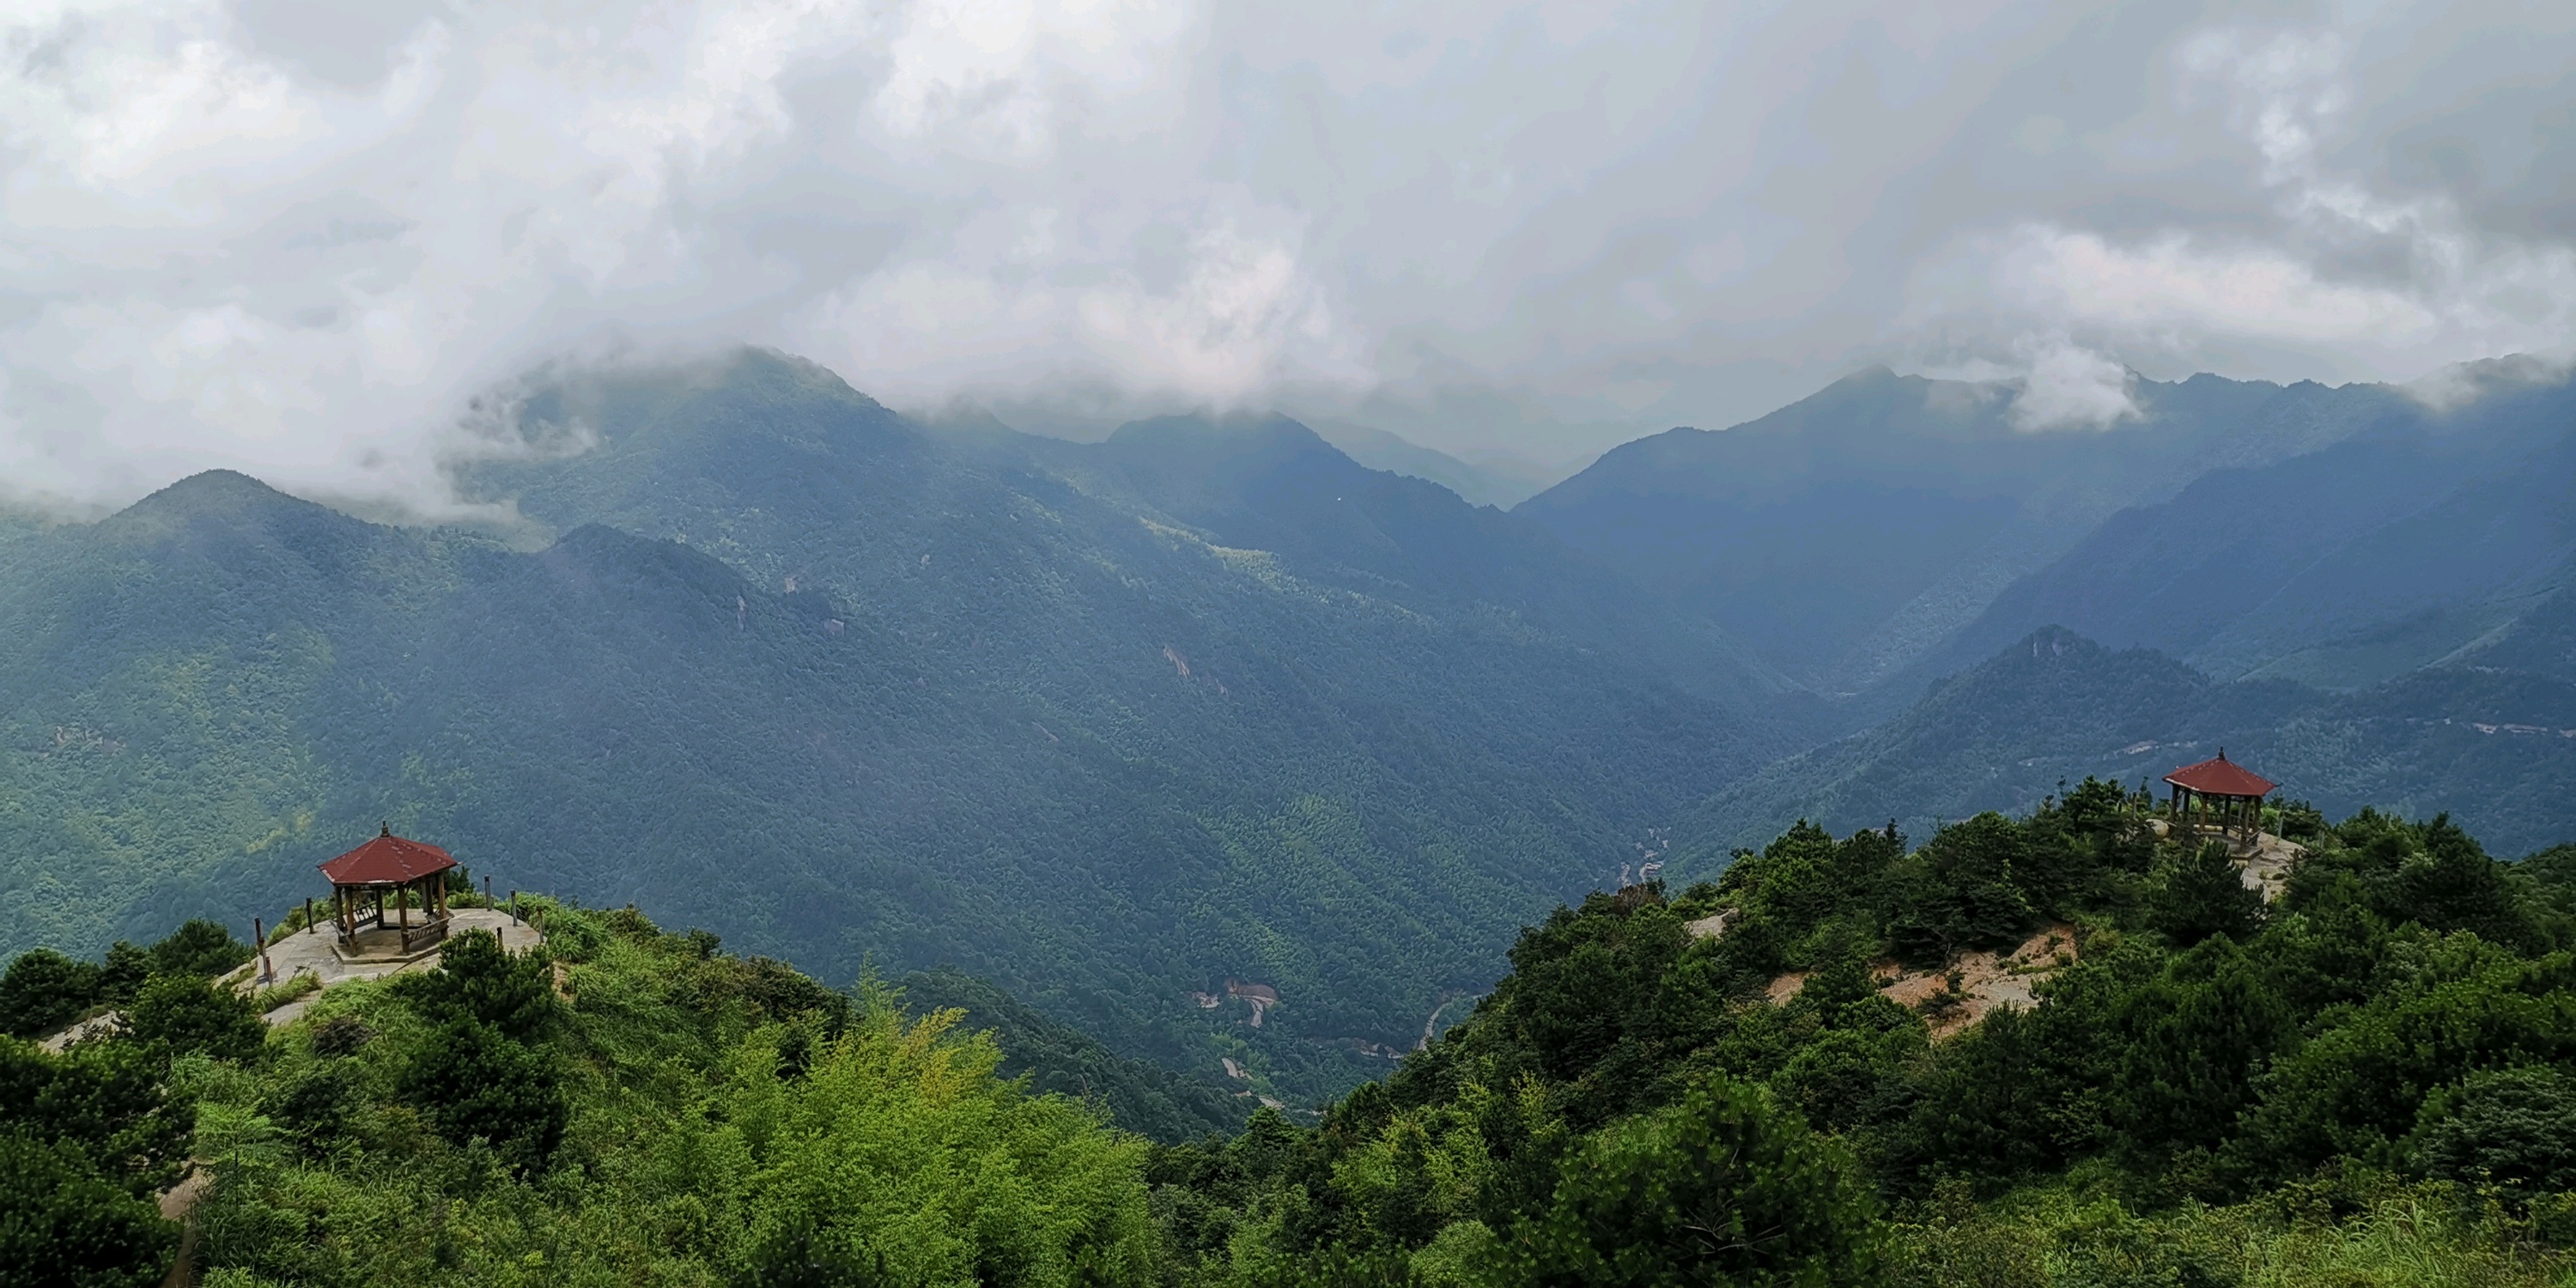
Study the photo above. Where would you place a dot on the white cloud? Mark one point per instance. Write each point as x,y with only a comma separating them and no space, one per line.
295,238
2403,283
2067,386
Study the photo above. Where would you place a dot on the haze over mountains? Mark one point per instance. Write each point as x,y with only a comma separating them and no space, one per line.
1112,723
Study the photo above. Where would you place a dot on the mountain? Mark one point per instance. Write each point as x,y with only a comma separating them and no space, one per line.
2490,745
1488,478
1844,536
2384,552
1109,725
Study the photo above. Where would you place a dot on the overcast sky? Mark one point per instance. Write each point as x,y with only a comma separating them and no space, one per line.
294,236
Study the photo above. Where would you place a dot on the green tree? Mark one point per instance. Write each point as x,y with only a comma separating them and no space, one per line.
2514,1127
1723,1187
2332,950
477,1083
62,1222
104,1099
43,991
2453,885
2192,1042
198,947
2019,1093
899,1158
178,1014
123,973
2202,893
479,980
2359,1084
1963,889
317,1107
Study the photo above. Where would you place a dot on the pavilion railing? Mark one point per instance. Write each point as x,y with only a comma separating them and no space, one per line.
428,932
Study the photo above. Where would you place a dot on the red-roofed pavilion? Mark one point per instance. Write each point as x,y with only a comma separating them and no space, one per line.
2229,793
390,864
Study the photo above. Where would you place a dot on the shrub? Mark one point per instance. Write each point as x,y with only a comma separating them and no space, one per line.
1721,1188
43,991
62,1222
2513,1127
183,1013
198,947
476,1083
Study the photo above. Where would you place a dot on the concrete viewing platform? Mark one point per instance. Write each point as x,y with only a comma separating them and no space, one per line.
319,952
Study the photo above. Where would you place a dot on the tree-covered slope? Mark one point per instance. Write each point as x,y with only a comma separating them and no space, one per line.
2486,744
1844,535
621,1105
2053,1051
1061,1060
835,687
2341,567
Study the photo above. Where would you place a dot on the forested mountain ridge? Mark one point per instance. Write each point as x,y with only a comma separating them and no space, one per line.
1847,533
2384,552
835,687
781,469
2489,744
1108,724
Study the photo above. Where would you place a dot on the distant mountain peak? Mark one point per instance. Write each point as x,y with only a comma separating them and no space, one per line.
219,493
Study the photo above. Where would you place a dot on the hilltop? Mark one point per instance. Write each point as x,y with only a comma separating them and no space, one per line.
2067,1048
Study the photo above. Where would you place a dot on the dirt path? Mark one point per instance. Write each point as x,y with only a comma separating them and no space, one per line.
1986,980
1431,1026
179,1203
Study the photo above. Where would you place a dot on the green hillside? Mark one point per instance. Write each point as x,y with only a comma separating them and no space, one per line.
624,1106
2163,1081
835,688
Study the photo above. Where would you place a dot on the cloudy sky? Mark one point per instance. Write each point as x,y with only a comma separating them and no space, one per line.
294,236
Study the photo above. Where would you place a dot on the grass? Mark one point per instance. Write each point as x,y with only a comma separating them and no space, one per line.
2375,1232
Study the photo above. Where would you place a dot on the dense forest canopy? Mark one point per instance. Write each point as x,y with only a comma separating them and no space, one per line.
2060,1049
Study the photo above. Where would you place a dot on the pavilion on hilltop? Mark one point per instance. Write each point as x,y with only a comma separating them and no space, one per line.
2220,792
392,866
